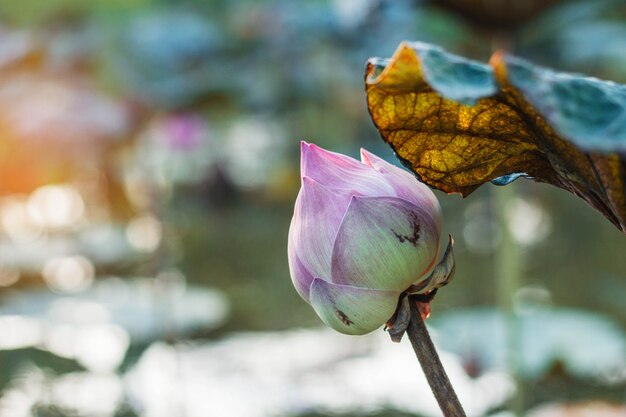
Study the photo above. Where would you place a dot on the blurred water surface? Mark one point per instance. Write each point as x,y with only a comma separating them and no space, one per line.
148,168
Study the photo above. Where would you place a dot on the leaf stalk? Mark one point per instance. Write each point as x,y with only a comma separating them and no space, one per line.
431,364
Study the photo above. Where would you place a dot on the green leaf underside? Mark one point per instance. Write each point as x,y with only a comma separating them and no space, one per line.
458,123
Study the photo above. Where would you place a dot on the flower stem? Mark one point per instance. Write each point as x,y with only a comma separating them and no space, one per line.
431,365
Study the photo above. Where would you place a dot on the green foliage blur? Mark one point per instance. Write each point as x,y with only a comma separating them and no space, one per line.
152,147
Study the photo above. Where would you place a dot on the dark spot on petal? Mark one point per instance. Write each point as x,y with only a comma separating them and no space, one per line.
414,238
344,319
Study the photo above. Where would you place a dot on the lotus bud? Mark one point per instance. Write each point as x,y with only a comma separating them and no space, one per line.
362,233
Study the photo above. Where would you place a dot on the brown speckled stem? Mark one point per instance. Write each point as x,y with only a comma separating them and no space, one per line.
431,365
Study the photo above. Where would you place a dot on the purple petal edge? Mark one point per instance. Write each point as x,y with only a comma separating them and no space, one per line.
317,216
404,183
337,171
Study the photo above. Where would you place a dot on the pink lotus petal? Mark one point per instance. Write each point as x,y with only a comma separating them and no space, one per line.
384,243
300,275
342,172
317,216
352,310
404,183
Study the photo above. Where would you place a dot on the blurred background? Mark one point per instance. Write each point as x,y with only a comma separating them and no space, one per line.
149,162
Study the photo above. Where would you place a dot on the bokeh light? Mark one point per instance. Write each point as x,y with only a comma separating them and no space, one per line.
528,221
17,222
9,275
144,233
149,163
55,206
69,274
